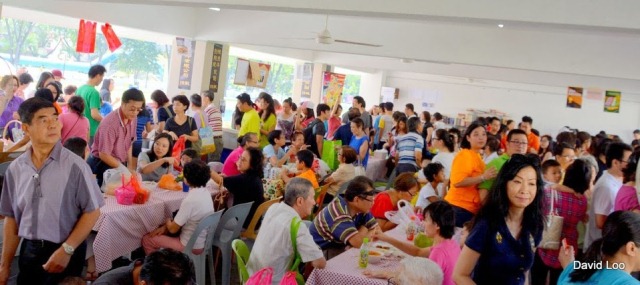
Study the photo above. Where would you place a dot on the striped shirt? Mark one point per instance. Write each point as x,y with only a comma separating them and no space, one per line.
407,145
334,226
47,202
214,119
114,137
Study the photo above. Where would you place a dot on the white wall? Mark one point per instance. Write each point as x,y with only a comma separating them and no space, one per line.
545,104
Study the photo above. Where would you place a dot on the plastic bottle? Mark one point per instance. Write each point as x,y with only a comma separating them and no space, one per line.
363,261
411,229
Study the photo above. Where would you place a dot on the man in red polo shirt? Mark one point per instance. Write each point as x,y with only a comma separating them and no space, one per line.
115,135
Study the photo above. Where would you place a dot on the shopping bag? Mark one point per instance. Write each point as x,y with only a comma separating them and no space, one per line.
111,180
262,277
168,182
86,37
125,193
403,215
112,40
293,276
552,230
177,150
207,145
142,195
330,151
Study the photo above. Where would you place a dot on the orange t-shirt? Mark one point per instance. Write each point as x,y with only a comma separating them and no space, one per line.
534,141
311,176
467,163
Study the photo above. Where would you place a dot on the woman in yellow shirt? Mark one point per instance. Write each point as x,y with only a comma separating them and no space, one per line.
468,170
268,118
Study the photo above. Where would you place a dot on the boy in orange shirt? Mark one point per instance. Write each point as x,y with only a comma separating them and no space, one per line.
305,161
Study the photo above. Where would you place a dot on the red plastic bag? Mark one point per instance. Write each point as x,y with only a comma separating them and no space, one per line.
86,37
180,145
112,40
142,195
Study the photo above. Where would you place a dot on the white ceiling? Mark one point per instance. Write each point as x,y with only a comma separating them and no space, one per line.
558,43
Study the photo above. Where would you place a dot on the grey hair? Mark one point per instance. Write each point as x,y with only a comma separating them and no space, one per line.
590,161
419,270
297,187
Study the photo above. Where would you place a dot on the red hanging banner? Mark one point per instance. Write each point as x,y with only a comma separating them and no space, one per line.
112,40
86,37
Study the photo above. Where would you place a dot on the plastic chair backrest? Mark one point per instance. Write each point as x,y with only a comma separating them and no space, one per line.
320,199
242,256
343,187
208,223
237,213
251,232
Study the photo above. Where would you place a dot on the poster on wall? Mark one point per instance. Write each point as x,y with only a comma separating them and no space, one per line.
242,70
428,98
306,76
574,97
612,101
185,48
594,93
215,67
332,85
388,94
258,74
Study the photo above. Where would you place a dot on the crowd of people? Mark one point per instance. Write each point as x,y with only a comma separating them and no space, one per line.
486,192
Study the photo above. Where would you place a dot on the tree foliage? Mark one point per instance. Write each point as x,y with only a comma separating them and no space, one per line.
138,57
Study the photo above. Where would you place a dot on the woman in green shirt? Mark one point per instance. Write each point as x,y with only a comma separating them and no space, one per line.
267,117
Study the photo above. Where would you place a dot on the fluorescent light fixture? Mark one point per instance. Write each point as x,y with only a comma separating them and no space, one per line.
214,9
500,26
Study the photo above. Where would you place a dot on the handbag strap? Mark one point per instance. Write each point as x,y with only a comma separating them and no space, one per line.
69,130
554,196
295,225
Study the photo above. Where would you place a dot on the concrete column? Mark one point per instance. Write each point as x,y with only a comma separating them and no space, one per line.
201,70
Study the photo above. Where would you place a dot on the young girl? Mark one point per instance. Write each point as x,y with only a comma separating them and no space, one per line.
434,190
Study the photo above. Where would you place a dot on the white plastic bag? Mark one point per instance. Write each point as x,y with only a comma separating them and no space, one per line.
112,180
403,215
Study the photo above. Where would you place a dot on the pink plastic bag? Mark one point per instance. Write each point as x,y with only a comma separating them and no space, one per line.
262,277
125,194
289,278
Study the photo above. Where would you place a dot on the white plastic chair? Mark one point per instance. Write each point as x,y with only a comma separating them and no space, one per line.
229,229
209,224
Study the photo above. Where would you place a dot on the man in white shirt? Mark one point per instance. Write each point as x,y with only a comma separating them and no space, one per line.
438,123
606,189
273,247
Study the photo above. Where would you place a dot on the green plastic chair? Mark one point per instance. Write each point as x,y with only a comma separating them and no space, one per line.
242,256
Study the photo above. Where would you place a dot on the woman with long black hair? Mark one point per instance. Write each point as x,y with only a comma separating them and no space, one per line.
267,117
508,228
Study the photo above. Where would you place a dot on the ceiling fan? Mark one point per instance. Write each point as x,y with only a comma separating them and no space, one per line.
324,37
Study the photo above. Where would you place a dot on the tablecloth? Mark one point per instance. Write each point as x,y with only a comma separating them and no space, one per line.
343,269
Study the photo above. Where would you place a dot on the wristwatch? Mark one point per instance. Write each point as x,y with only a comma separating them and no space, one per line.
68,249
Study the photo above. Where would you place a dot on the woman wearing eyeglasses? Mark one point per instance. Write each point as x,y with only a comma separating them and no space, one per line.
406,187
565,154
501,245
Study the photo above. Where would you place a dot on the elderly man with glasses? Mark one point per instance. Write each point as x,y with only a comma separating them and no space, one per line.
517,142
112,144
346,221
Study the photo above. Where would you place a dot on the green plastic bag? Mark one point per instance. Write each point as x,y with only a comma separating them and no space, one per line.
330,153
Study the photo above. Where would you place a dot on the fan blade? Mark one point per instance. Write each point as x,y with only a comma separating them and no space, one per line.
301,39
357,43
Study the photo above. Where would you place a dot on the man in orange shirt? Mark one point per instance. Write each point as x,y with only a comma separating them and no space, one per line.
305,161
534,141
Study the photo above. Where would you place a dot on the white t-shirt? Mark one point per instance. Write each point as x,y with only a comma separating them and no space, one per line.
273,247
490,157
604,196
428,191
446,159
194,208
439,125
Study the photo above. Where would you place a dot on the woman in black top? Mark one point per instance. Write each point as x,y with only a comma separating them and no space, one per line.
182,125
165,110
246,186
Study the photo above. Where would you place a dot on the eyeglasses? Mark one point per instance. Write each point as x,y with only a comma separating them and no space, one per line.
363,197
519,143
134,109
572,157
339,154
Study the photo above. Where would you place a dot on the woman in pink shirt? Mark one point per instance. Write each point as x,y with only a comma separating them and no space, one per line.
627,198
74,123
439,225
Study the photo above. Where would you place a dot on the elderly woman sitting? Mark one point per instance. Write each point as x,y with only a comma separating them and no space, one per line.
412,270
